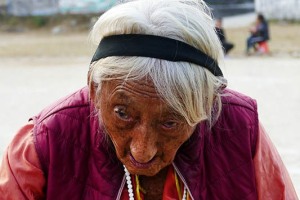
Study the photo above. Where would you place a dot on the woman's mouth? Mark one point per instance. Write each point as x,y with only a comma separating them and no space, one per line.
139,164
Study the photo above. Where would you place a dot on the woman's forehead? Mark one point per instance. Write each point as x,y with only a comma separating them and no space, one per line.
144,87
138,94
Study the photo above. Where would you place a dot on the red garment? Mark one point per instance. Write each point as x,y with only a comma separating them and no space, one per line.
79,161
21,176
170,190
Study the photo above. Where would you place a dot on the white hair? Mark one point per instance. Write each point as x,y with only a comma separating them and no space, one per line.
189,89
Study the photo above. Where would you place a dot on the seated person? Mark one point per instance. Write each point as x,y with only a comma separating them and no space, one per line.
259,33
227,46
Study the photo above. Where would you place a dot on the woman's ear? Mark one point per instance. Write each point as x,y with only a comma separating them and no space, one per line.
91,84
93,92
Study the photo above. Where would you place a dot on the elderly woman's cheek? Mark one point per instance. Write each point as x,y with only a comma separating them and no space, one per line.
120,142
173,144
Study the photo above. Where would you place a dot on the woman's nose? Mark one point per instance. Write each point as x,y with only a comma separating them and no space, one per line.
143,144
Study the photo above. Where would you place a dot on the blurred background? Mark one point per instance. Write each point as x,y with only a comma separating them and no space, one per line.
45,53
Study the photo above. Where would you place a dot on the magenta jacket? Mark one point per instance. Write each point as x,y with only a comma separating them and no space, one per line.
79,161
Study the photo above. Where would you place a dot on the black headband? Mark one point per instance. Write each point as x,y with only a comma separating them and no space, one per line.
154,47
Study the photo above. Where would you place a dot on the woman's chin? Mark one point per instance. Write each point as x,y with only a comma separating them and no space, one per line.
149,171
145,172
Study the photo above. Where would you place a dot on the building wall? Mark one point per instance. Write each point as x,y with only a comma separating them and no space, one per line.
2,2
279,9
32,7
85,6
50,7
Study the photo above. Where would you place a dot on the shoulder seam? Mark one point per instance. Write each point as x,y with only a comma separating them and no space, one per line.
51,112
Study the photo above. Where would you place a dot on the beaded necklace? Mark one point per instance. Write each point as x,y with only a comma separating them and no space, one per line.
138,188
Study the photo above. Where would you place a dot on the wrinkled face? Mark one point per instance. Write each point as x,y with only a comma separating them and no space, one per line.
145,131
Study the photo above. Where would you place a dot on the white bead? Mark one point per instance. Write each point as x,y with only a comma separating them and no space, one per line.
129,184
130,188
184,196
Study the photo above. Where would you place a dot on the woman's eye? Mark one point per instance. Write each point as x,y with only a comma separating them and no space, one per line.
170,124
121,113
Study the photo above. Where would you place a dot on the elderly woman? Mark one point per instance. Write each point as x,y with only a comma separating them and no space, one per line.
155,122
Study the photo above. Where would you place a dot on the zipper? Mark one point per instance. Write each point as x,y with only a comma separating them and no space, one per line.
183,180
121,188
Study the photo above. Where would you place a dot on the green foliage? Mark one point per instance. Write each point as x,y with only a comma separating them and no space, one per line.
30,22
39,21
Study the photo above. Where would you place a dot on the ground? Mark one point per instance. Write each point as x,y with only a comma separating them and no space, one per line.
37,67
285,41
